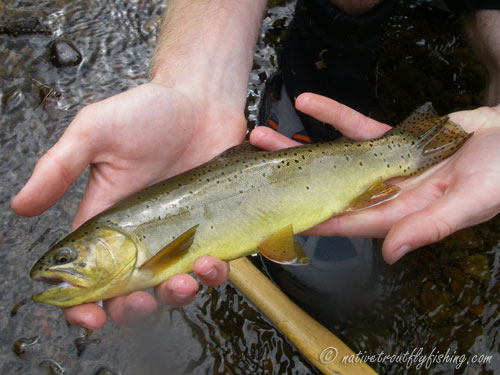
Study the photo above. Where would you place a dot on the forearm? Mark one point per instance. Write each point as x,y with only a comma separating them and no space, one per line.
483,30
208,45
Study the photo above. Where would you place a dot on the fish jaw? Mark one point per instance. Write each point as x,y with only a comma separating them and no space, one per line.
62,295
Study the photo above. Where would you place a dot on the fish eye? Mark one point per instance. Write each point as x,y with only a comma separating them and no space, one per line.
64,255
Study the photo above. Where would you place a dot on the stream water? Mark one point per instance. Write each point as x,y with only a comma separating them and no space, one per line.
443,297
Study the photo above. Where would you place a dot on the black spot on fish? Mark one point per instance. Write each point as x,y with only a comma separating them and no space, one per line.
361,164
347,158
82,264
307,187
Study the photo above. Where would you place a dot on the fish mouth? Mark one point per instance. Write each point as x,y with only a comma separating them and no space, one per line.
64,286
56,281
62,293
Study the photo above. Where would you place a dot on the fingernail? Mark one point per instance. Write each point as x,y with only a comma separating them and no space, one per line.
182,298
211,274
399,253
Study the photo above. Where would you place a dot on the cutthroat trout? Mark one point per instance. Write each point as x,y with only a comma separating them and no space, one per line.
235,205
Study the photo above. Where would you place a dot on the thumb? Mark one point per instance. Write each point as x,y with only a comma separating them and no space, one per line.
54,173
431,224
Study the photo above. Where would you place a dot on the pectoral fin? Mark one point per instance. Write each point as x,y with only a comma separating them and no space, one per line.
377,193
280,247
170,253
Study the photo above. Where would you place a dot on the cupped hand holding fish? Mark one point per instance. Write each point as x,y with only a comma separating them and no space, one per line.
133,140
459,192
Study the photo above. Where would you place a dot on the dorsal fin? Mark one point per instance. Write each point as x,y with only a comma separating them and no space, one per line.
241,149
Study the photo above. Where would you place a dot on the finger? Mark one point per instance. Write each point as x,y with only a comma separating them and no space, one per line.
128,309
179,290
431,224
88,315
211,271
269,140
54,173
349,122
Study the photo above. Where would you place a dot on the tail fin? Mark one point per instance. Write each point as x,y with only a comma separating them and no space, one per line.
435,138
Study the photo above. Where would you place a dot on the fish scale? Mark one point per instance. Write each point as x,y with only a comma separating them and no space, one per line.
239,202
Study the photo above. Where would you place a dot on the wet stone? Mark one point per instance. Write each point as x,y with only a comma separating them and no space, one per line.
456,280
51,367
103,370
63,53
477,267
24,344
18,305
433,303
12,99
24,26
82,343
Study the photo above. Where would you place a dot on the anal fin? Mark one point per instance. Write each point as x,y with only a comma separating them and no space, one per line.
281,248
377,193
170,253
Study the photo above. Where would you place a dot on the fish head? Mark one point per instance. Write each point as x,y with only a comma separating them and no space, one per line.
88,265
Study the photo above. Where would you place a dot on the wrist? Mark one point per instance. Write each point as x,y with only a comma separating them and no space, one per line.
206,49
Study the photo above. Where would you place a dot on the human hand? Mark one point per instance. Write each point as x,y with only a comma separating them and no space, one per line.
133,140
459,192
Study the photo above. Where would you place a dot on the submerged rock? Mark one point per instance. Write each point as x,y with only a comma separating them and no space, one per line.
21,345
24,26
51,367
63,53
103,370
